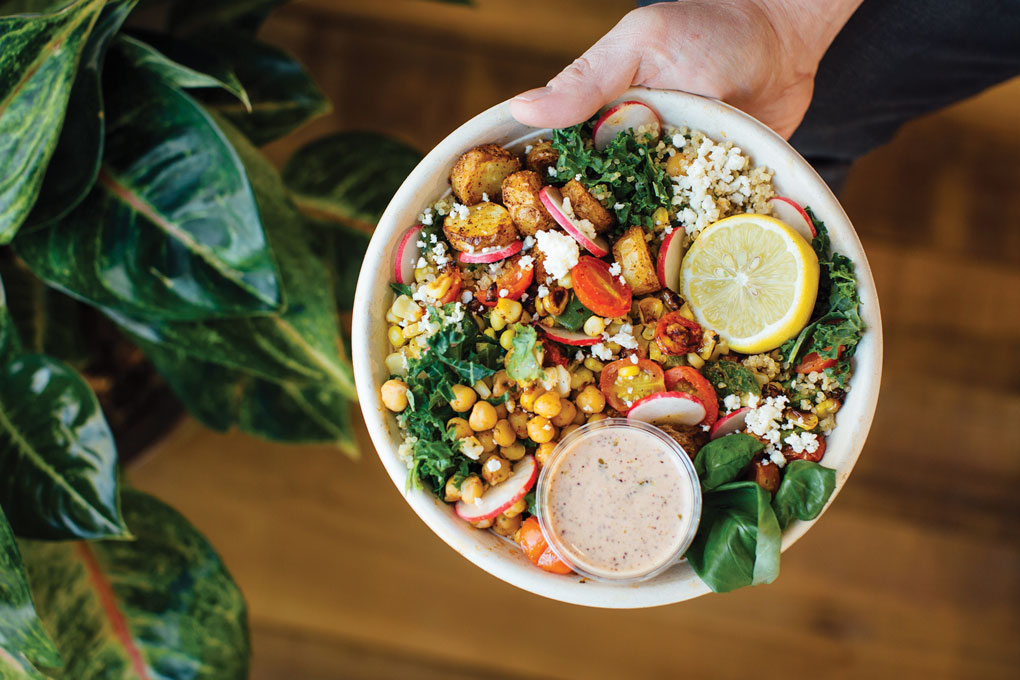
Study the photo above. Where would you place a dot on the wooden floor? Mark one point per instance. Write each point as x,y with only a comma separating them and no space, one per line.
914,572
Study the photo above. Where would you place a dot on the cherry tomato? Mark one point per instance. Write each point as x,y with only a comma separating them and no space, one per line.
804,455
515,280
812,362
687,379
621,391
676,334
535,547
598,290
456,281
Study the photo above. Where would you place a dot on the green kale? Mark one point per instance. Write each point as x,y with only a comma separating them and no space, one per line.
574,315
638,185
730,377
524,361
400,288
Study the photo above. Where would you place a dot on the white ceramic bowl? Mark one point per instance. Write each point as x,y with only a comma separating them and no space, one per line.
793,178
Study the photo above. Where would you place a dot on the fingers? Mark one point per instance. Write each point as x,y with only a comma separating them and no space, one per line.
597,77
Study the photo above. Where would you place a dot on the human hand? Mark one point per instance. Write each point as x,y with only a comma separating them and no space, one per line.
758,55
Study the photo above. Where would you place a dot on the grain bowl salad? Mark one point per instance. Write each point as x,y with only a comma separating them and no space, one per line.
625,269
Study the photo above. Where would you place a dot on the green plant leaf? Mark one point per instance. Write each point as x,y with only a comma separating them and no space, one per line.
172,229
804,491
45,320
350,176
38,60
9,343
344,249
301,344
58,462
721,460
182,64
75,164
189,16
283,95
24,643
162,606
738,541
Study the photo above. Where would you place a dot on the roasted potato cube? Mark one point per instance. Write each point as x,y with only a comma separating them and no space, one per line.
690,437
520,196
484,225
481,171
542,157
587,207
765,474
631,251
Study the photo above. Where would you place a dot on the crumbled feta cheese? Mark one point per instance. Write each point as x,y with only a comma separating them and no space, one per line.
618,206
731,402
493,464
525,261
579,356
466,296
679,141
421,263
461,211
426,218
528,148
600,351
503,292
560,250
543,290
552,171
577,177
633,358
802,442
485,197
471,447
529,242
420,243
615,269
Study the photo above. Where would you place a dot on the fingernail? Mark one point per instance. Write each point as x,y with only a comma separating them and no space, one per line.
533,95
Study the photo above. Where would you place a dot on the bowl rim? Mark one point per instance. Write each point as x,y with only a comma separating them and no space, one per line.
505,563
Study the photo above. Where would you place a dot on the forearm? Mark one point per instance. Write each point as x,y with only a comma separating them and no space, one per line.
808,27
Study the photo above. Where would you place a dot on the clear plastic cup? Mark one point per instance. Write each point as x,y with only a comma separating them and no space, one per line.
619,500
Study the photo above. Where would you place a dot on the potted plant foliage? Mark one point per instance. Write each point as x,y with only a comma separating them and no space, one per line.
133,197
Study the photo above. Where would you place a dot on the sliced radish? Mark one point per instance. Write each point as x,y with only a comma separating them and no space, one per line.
630,115
730,423
573,338
669,408
552,199
483,257
670,254
789,211
503,495
408,254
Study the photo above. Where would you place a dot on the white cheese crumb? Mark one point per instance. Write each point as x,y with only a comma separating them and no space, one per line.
485,197
633,358
561,252
493,465
600,351
552,171
731,402
615,269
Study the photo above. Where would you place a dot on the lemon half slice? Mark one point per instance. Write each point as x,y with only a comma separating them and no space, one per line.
751,278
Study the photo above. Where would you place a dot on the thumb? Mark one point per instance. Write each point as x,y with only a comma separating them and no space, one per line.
595,78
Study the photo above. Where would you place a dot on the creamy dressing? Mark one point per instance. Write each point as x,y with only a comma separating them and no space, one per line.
619,502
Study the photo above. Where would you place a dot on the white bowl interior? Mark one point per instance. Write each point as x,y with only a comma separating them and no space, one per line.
793,178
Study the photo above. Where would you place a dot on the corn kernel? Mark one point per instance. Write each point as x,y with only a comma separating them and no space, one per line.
411,330
396,336
686,312
695,361
629,371
707,344
396,364
482,389
497,320
827,407
567,281
648,332
594,326
510,309
660,217
654,353
490,333
391,317
593,364
438,288
406,308
506,340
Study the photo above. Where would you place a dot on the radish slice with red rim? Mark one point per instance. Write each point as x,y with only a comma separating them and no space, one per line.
668,263
730,423
408,254
583,233
500,497
573,338
491,255
789,211
629,115
668,408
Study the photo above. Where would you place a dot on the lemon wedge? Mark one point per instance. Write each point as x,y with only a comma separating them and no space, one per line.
752,279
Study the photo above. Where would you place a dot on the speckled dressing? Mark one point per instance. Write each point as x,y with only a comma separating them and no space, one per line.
619,502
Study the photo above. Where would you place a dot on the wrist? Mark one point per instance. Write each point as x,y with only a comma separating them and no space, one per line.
807,27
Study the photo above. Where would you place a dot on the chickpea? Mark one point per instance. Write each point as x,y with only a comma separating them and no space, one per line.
471,489
543,452
579,417
463,398
503,433
501,382
580,377
495,469
394,395
590,400
566,414
529,397
595,417
452,491
515,451
483,416
487,441
548,405
519,422
506,526
516,509
460,428
568,429
481,524
541,430
502,411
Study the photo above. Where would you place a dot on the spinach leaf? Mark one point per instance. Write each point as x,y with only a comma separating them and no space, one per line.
524,362
804,491
738,542
721,460
401,288
574,315
731,377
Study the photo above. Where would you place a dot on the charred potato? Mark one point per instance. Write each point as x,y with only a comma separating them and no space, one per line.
690,437
587,207
765,474
631,251
485,225
481,172
542,157
520,196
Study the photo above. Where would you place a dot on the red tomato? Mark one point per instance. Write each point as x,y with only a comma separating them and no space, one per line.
676,334
534,545
620,391
687,379
804,455
598,290
813,362
515,280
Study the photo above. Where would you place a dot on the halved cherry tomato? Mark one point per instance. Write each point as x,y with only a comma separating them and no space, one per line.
687,379
676,334
814,457
598,290
621,391
812,362
515,280
534,545
455,284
